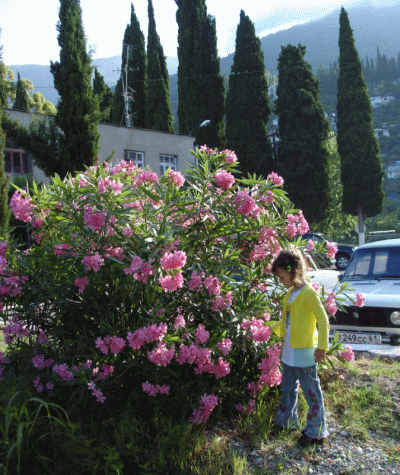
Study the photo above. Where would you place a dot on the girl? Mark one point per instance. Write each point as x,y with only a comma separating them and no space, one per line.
304,346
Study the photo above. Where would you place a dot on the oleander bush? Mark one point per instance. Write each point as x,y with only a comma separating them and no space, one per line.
148,292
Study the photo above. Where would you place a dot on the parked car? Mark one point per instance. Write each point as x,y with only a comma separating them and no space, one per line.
374,270
343,254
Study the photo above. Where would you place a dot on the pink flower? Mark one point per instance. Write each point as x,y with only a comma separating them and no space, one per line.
179,322
171,283
225,346
3,248
81,283
39,362
359,300
213,285
331,249
222,369
230,156
310,245
347,355
22,207
277,180
38,385
63,372
195,282
93,262
161,355
176,178
224,179
207,404
201,335
152,390
177,260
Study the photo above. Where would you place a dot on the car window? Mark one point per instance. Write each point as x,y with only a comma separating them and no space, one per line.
374,264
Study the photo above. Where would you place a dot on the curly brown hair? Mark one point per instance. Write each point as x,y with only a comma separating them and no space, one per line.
292,261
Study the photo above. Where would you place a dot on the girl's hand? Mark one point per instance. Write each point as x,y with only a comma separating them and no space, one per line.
319,355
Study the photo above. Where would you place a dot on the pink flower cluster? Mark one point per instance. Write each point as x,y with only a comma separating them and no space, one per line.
176,178
113,343
246,204
177,260
225,346
259,332
161,355
106,371
360,299
224,179
248,408
201,357
330,304
277,180
297,224
144,176
63,371
94,220
222,301
140,269
40,362
93,262
146,335
60,249
39,386
230,156
213,285
109,184
331,249
207,404
171,283
16,329
96,392
201,335
152,389
22,207
347,355
81,283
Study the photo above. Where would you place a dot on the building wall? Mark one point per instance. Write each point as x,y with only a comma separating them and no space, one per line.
118,139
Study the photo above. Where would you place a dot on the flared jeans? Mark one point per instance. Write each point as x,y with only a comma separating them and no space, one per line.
287,412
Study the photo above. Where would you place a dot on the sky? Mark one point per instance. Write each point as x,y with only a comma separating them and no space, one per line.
29,34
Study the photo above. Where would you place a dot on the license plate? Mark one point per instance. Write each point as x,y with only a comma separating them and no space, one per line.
360,338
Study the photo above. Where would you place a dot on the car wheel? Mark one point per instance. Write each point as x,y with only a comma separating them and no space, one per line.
342,261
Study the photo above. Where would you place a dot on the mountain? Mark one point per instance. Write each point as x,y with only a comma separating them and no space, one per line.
373,25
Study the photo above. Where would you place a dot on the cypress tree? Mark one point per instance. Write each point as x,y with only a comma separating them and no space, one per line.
104,96
247,103
21,102
303,129
133,73
201,88
77,114
361,167
158,106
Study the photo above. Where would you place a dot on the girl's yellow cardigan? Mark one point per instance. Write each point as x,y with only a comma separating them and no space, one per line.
306,311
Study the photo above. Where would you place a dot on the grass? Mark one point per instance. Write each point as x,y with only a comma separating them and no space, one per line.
361,397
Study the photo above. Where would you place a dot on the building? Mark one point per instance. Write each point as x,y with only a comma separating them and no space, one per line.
393,171
147,148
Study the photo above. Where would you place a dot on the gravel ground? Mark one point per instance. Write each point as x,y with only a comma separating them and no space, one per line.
343,453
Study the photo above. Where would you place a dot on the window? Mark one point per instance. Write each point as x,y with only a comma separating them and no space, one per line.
168,161
16,160
136,157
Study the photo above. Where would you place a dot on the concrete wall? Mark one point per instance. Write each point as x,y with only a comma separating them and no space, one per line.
118,139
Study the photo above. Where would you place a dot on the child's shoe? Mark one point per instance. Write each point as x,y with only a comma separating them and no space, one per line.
306,441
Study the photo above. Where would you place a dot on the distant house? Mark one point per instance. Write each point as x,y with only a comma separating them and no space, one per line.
378,101
146,148
381,133
393,171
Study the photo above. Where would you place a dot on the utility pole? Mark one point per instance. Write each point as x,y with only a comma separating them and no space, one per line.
127,95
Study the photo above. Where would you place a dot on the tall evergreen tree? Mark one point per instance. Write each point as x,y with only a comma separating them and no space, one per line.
361,167
21,102
70,141
158,105
303,129
200,84
134,75
104,96
77,114
247,103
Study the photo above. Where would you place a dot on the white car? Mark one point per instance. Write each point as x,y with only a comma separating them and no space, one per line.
374,270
